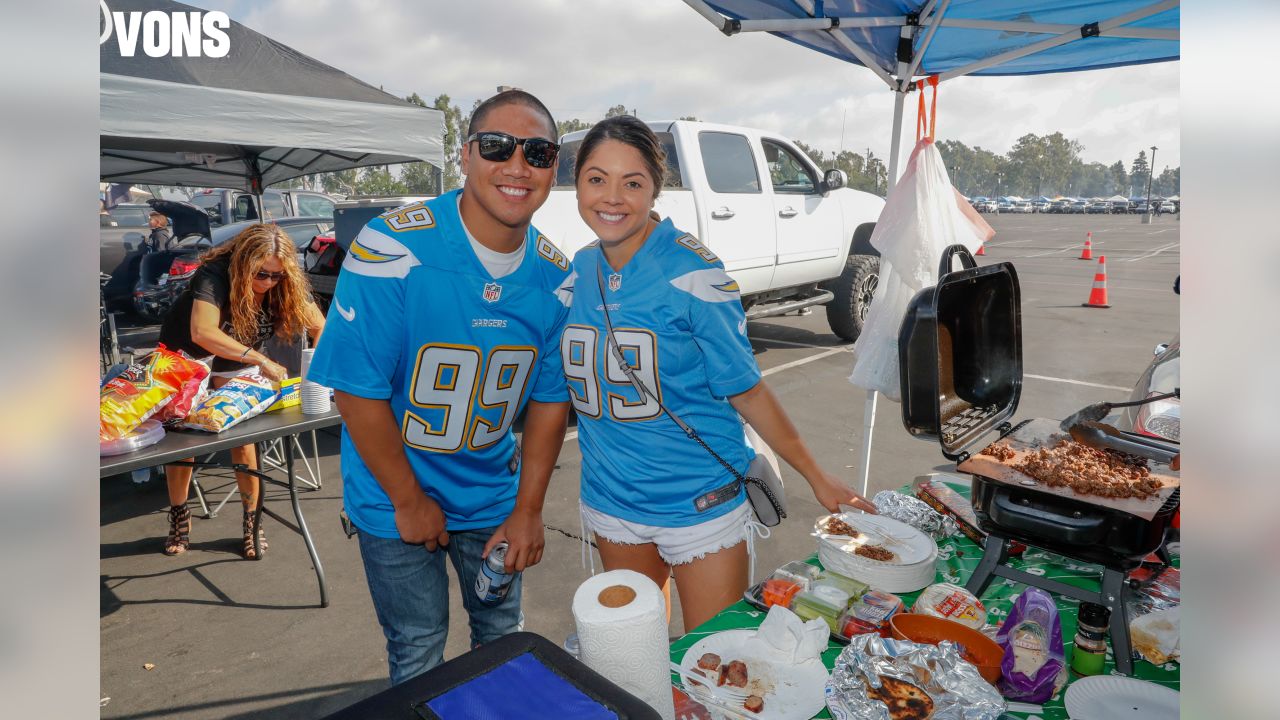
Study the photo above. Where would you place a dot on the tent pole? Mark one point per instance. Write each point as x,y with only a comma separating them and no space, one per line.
895,145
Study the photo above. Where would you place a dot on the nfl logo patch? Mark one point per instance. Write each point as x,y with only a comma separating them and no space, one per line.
615,282
492,291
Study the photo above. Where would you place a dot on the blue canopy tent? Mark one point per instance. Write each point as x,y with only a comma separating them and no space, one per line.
901,40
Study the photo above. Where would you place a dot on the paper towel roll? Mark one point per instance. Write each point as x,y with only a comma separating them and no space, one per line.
621,618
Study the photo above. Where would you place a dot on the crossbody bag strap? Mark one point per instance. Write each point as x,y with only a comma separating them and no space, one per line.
612,342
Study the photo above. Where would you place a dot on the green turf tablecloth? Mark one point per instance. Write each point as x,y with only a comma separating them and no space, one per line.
957,558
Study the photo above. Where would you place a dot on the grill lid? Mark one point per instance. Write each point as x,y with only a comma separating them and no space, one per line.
960,353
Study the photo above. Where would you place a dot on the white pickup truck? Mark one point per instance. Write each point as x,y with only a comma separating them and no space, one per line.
790,235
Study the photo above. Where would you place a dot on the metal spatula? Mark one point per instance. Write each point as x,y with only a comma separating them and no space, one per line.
1097,411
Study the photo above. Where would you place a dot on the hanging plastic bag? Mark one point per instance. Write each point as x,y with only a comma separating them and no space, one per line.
923,214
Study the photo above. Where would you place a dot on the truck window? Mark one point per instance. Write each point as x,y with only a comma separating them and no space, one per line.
274,203
569,155
314,205
730,165
212,205
788,173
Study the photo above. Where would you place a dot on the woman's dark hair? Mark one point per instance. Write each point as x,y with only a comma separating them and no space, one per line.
628,130
511,97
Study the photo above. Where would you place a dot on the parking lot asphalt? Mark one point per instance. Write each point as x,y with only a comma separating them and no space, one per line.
236,639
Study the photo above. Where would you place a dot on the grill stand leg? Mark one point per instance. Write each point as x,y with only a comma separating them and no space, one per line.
994,552
1111,596
1113,587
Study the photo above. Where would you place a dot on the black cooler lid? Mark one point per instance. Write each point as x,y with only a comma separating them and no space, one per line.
960,353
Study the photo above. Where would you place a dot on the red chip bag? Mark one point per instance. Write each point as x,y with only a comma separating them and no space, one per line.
142,390
187,397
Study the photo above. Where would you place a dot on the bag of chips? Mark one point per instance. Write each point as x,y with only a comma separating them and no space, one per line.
189,396
247,395
141,391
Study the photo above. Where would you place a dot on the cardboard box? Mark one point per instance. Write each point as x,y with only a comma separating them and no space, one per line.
290,394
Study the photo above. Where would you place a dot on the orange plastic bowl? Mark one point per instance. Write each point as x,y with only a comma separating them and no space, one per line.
977,648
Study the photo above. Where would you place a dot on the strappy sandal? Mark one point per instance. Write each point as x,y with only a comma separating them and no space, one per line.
179,530
249,553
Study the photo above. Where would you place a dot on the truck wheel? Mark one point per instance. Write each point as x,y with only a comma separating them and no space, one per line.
853,290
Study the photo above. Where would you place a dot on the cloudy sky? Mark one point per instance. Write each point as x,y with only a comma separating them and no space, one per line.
662,59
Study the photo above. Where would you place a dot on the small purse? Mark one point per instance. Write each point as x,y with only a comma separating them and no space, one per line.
762,482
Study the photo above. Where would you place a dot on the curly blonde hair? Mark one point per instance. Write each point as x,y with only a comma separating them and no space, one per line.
290,298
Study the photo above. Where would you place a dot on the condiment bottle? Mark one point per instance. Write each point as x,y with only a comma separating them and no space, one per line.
1090,649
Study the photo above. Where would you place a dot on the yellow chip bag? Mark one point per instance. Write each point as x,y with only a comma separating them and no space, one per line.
142,390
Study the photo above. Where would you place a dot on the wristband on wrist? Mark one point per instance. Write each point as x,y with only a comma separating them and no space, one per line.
246,352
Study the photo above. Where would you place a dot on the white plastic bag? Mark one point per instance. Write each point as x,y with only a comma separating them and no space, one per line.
922,216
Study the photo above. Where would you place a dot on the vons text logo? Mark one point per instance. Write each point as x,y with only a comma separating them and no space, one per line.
165,34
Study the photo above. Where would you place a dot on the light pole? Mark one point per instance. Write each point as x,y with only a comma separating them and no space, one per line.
1151,170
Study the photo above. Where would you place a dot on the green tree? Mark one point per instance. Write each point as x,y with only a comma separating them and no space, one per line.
615,111
340,183
455,124
1120,179
379,181
1168,182
1139,171
564,127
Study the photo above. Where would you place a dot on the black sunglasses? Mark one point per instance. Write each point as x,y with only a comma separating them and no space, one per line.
498,147
264,276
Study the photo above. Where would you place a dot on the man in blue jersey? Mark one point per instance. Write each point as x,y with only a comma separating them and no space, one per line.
447,319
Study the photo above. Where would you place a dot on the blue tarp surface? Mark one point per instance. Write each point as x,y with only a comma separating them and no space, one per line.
953,48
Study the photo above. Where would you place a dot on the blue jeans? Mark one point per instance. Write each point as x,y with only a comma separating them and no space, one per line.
410,590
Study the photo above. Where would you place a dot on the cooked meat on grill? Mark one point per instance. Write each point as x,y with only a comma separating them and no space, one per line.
754,703
999,451
875,552
710,661
735,673
1089,471
833,525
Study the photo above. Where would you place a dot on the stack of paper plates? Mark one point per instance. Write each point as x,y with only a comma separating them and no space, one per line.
912,567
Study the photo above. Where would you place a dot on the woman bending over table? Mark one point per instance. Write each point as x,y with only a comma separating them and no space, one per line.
244,293
655,500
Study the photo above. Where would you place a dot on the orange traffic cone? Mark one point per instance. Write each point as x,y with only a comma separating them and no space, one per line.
1098,296
982,249
1087,254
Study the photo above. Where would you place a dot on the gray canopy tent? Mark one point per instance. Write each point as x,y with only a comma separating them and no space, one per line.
262,114
901,40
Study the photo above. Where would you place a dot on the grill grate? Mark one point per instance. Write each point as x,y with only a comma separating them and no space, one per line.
961,423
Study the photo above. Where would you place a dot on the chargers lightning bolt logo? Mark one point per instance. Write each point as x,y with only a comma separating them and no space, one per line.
369,255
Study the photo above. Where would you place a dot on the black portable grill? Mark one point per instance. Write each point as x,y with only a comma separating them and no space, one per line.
960,355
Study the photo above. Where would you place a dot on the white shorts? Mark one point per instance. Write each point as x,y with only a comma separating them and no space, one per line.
679,545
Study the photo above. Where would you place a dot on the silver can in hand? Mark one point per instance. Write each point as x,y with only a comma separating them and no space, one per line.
493,581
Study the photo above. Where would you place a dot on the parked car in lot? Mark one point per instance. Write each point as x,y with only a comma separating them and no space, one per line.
985,205
1160,419
164,275
790,234
1040,206
1023,206
1168,207
230,206
1119,207
1098,208
1060,206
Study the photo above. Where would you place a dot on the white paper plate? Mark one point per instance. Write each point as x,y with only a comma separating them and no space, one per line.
910,545
1112,697
790,692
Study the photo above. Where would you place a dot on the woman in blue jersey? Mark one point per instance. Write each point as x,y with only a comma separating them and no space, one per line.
656,501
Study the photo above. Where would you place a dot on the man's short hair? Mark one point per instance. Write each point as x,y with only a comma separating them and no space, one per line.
157,213
511,97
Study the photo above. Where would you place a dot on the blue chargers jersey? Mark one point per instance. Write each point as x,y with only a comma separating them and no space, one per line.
417,320
678,316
